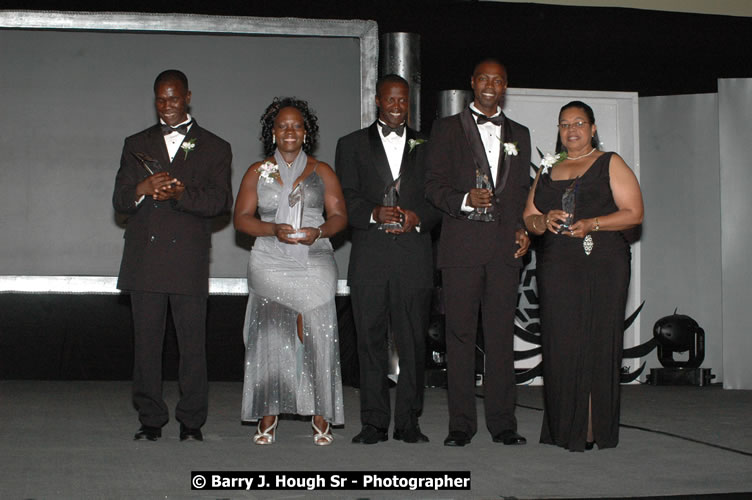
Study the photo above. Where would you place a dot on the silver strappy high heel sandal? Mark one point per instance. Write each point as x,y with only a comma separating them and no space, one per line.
267,436
322,437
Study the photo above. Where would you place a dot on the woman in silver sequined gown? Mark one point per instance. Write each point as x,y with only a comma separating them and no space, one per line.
292,354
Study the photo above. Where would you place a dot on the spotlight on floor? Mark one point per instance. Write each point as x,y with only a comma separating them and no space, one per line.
674,334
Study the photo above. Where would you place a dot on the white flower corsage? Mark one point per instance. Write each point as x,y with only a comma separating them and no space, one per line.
188,146
510,148
413,143
268,171
550,160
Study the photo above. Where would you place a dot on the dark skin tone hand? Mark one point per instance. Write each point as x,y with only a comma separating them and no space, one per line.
171,192
160,186
387,215
554,219
282,231
523,240
479,198
411,220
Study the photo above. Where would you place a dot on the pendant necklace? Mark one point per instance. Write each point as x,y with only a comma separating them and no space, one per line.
582,156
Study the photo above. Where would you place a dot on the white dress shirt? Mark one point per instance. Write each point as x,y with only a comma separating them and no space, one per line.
394,147
175,139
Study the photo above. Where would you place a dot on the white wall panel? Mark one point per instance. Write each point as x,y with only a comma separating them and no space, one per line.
735,133
681,235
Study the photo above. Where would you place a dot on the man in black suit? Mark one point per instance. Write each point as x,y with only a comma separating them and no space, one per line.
166,254
480,261
390,273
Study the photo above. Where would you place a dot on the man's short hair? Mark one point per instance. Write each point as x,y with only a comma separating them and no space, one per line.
491,60
171,75
390,78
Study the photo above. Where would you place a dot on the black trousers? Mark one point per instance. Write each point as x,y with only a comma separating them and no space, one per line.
406,310
493,288
149,319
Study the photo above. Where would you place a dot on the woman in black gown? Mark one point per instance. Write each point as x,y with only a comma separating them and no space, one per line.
583,276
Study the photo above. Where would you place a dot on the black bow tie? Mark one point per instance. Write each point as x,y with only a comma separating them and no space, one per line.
386,129
180,129
496,120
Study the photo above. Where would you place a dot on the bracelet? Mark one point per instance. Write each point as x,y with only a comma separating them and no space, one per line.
597,226
321,232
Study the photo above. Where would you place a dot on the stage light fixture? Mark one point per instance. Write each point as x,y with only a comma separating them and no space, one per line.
679,333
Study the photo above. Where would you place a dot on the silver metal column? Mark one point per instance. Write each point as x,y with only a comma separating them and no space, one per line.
451,102
399,53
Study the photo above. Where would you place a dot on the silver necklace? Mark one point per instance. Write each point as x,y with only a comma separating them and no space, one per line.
583,156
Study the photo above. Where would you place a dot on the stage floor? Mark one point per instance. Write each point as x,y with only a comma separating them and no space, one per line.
75,440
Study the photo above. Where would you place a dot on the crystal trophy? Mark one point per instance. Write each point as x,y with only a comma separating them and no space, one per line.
150,164
481,214
567,204
391,199
296,200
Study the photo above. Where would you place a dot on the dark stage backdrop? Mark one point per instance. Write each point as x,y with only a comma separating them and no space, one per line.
69,98
90,337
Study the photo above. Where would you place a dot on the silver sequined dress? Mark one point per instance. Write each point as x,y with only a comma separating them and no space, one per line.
283,375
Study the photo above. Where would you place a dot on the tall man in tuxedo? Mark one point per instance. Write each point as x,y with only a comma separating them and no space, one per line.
480,261
166,254
391,272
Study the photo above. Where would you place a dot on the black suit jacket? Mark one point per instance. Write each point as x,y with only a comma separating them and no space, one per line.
454,152
363,171
167,242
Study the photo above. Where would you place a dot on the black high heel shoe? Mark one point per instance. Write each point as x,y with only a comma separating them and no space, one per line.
589,445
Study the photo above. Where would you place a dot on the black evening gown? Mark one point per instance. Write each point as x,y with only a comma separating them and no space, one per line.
582,307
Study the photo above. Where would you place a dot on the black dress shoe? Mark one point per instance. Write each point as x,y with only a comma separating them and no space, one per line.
410,434
457,438
509,437
188,434
147,432
370,435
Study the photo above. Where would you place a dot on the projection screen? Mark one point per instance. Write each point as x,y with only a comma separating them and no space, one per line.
74,85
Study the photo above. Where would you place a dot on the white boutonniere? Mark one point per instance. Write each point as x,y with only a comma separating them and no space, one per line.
268,171
510,148
188,146
413,143
550,160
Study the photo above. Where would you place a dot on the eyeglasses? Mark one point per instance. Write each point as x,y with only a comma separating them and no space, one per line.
573,125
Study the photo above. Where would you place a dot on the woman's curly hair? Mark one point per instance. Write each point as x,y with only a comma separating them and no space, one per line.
309,122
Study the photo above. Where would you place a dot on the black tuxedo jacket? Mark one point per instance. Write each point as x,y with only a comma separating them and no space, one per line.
167,242
454,152
363,171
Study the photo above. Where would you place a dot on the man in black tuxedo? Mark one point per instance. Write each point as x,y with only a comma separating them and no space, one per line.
166,254
391,271
480,261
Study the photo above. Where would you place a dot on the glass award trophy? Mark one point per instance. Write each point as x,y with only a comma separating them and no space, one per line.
567,204
481,214
391,199
150,164
296,200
